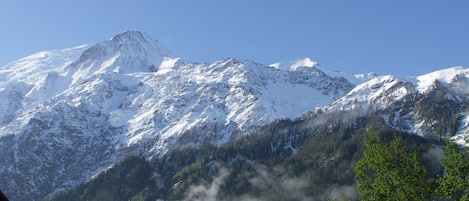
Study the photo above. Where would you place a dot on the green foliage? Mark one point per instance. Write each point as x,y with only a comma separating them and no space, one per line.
454,184
129,180
144,195
285,160
326,160
390,172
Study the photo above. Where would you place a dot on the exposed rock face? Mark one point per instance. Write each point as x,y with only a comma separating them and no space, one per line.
69,114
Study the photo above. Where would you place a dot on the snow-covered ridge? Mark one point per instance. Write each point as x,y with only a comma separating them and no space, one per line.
128,52
69,114
455,79
308,64
448,77
398,99
295,64
372,93
32,68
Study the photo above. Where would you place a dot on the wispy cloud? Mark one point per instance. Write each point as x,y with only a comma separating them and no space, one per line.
208,192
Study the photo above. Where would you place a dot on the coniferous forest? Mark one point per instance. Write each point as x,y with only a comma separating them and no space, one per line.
360,159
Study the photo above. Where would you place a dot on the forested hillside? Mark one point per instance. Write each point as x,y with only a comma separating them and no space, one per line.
285,160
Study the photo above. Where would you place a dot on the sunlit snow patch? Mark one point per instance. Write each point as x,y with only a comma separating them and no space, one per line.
294,65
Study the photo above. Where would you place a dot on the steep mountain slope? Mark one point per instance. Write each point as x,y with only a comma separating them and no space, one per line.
309,158
70,114
285,160
435,104
67,115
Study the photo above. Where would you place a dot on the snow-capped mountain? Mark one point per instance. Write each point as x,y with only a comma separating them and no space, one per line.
69,114
434,104
307,62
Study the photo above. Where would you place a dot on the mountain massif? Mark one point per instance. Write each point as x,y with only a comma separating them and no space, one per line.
68,115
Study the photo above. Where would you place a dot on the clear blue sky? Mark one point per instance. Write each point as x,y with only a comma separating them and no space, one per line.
402,37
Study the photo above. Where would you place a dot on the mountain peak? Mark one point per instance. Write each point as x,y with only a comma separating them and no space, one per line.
69,114
131,34
295,64
139,38
129,37
127,52
447,76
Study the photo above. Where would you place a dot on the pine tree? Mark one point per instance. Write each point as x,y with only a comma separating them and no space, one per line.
454,185
390,172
